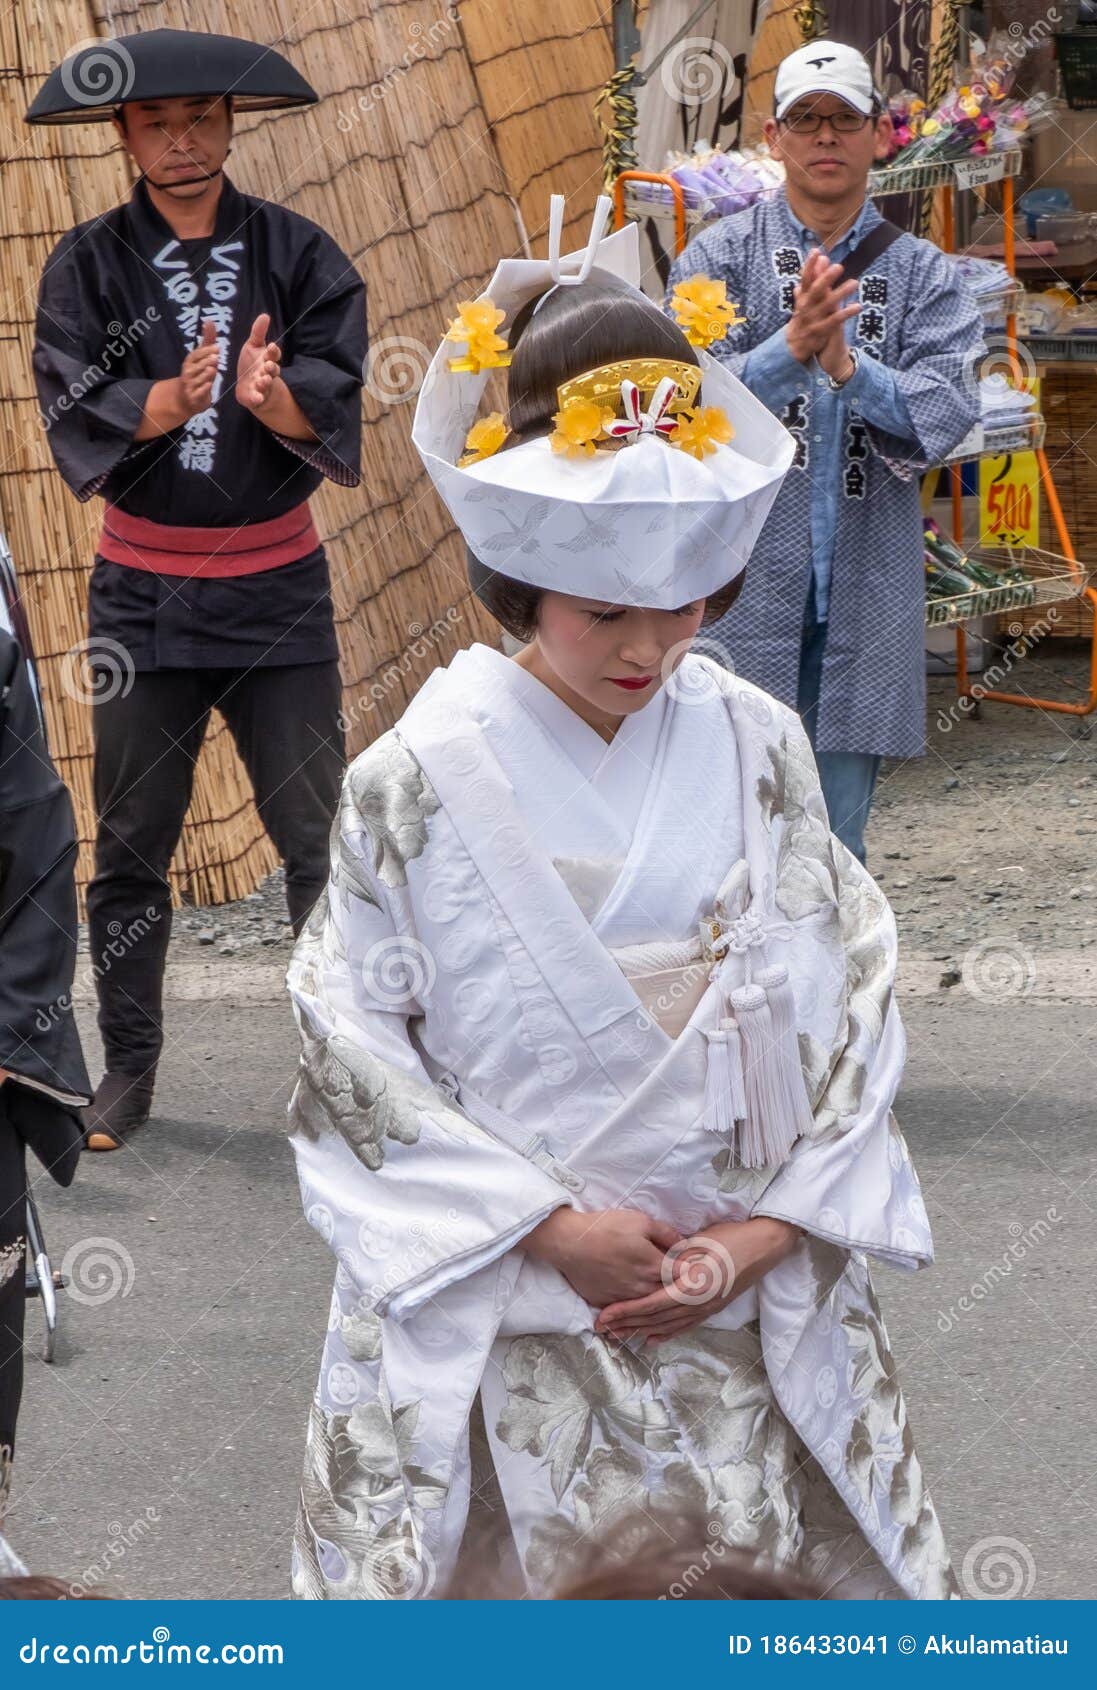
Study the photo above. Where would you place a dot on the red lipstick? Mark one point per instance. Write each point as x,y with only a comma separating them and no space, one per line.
632,686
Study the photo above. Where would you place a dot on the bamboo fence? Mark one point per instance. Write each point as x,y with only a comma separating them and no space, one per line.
440,133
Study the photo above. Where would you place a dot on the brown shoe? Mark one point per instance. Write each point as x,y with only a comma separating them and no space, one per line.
121,1105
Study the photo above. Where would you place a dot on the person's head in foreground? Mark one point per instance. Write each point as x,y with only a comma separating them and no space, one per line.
43,1587
830,125
644,1554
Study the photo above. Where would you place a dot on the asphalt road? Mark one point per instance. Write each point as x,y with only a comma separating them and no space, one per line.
161,1451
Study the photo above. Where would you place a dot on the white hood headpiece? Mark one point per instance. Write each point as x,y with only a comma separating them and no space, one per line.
668,517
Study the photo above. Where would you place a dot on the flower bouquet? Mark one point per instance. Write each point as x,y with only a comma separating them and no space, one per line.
715,183
978,115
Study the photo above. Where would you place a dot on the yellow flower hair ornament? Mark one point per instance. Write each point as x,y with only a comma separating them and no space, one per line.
701,429
475,323
484,439
701,308
579,423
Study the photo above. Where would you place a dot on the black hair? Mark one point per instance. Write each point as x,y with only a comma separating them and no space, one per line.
515,604
561,334
120,111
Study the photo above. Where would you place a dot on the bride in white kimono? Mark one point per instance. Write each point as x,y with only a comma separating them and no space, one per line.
599,1040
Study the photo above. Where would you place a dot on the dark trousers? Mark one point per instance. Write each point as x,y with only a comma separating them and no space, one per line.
286,725
13,1229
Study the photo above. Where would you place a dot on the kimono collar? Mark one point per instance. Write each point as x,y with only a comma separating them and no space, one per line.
152,230
867,218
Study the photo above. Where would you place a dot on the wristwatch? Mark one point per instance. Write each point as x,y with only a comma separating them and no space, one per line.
836,386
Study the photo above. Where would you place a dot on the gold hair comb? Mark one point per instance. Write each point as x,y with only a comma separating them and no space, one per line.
603,385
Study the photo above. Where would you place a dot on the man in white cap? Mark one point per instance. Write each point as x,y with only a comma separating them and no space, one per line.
861,338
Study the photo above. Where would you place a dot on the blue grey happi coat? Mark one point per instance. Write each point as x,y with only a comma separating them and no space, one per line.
919,318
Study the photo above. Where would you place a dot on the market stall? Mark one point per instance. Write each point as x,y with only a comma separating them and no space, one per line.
961,149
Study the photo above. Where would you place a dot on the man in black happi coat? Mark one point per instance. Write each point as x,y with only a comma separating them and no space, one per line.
199,358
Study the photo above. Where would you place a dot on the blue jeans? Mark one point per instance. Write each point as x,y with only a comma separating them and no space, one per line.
847,777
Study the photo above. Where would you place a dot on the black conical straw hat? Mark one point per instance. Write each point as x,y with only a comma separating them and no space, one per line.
157,64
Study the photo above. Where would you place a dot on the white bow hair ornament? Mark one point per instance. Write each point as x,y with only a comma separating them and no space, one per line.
635,421
641,525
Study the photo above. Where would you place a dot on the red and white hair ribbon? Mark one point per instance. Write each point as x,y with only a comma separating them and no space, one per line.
636,422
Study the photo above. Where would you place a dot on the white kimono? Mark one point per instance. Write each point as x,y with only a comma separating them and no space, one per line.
502,1009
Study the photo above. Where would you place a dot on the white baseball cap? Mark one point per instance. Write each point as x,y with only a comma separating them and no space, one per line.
825,67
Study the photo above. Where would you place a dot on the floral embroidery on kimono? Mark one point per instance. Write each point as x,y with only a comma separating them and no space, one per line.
473,1056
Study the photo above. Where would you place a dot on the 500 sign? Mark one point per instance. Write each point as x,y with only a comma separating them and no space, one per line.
1010,505
1009,496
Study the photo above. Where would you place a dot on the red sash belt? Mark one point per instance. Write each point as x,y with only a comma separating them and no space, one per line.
243,550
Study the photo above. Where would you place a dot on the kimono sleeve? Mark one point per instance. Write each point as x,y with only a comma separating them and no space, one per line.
851,1182
936,370
411,1194
324,354
90,413
39,1042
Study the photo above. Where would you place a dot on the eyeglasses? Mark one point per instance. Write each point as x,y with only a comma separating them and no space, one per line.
844,122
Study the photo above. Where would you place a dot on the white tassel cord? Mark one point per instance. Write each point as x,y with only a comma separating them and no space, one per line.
725,1096
768,1133
782,1009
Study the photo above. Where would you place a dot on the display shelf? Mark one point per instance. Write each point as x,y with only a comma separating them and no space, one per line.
1052,580
654,197
985,442
658,202
997,308
1062,348
960,173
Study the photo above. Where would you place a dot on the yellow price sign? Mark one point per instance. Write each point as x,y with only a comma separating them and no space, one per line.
1009,497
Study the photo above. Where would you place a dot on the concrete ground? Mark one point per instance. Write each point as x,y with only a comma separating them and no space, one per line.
164,1445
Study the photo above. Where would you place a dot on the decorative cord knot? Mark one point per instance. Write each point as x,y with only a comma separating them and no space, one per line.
637,422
